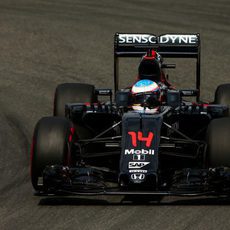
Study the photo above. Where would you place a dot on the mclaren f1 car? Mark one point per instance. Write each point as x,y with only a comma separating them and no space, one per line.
146,139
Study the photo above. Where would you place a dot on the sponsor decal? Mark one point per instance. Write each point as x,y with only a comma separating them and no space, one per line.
138,157
136,38
137,151
137,171
188,92
138,176
138,136
177,39
137,165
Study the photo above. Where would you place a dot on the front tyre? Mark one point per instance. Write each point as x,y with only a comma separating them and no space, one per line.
72,93
218,141
51,146
222,95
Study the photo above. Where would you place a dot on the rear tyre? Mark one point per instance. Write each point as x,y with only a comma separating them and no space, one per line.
218,140
72,93
50,146
222,95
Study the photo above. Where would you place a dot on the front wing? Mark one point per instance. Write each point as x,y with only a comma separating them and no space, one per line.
89,181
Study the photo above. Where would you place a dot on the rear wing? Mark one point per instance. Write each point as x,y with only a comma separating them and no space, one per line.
167,45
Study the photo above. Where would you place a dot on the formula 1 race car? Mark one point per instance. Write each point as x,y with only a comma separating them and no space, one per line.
146,139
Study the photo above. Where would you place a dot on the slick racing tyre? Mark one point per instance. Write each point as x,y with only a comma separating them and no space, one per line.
218,140
51,146
222,95
72,93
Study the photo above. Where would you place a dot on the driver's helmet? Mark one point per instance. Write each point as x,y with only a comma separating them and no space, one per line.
150,66
146,95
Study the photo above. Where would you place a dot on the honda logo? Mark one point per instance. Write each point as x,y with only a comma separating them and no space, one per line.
138,176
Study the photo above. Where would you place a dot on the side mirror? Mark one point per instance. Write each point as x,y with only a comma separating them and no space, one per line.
173,98
123,98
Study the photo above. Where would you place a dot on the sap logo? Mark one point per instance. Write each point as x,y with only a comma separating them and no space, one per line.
178,39
137,151
137,165
136,38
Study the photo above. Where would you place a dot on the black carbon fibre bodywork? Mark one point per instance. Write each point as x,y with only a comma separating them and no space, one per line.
161,149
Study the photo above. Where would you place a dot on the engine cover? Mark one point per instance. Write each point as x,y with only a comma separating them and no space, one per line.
140,144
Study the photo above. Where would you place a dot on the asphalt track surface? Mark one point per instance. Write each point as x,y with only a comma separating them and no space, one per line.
46,42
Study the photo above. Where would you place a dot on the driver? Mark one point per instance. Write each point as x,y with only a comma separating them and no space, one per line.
146,96
148,91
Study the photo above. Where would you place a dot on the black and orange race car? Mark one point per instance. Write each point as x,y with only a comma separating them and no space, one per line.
147,139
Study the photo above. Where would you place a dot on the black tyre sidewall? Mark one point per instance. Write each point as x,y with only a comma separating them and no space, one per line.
222,95
218,143
50,145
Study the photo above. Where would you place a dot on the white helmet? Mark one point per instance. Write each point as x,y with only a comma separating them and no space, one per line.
146,96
